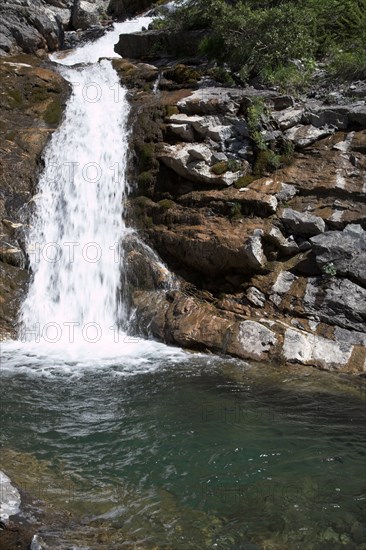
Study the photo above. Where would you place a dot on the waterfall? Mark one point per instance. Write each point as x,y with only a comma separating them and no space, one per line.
74,243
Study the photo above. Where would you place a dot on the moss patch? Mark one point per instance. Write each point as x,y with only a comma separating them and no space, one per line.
244,181
53,113
181,74
219,168
166,204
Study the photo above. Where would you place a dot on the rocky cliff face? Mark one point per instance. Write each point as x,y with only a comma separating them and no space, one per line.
32,99
257,203
38,26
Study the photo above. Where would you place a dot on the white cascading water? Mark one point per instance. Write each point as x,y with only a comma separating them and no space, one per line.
78,224
72,310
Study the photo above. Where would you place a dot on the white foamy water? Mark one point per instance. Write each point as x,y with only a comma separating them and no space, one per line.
104,47
73,313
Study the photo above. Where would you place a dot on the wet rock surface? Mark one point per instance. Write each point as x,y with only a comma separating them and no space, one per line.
32,100
269,259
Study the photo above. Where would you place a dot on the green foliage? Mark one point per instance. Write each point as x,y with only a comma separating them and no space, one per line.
235,212
266,161
171,110
234,165
148,222
254,114
289,78
329,269
183,74
287,153
349,65
261,38
222,75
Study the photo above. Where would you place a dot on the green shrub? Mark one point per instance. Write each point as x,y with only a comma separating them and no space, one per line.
266,161
16,97
220,74
234,165
148,222
171,110
235,212
349,65
287,153
261,38
329,269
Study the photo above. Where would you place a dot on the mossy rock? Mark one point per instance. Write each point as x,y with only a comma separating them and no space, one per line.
220,168
148,222
143,202
53,113
244,181
171,110
166,204
146,155
16,98
181,74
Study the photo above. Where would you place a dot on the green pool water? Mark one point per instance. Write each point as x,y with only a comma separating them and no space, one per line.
197,454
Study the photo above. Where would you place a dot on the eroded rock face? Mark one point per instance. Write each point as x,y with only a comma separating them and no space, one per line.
29,27
32,100
302,223
190,322
267,265
344,251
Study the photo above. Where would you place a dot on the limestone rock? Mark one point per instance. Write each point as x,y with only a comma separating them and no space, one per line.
255,341
308,349
213,248
287,246
84,15
183,131
255,296
346,250
337,302
288,118
341,117
29,28
210,101
303,136
302,223
193,162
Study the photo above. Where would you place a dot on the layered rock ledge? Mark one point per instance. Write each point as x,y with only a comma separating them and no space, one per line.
265,233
